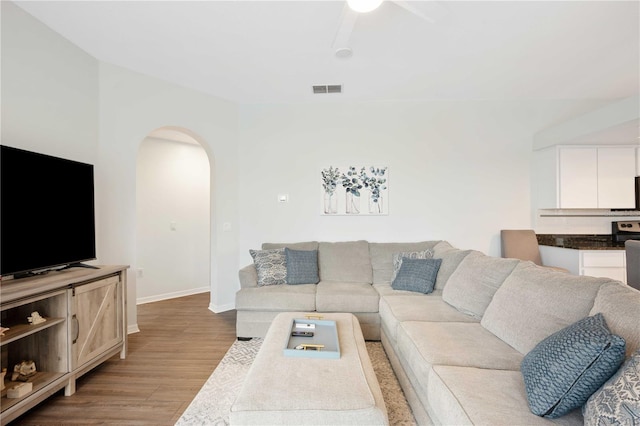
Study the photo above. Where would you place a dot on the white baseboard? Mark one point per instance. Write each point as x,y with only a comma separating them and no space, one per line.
165,296
133,328
216,309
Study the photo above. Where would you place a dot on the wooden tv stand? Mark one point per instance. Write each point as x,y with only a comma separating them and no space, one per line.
86,324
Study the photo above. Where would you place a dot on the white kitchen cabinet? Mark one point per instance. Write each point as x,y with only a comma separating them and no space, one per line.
604,263
585,177
578,177
595,263
616,172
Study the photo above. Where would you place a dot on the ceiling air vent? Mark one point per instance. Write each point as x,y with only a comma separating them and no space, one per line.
327,88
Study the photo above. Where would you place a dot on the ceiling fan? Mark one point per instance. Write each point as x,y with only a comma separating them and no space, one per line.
428,10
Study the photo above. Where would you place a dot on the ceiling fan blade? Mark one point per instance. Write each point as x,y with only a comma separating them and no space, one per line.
347,22
431,11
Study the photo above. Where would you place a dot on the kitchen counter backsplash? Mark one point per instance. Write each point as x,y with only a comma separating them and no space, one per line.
580,242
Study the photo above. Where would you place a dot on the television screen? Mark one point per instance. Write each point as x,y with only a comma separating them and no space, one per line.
46,211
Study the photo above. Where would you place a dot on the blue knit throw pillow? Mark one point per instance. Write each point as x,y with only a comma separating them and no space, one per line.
417,275
563,370
302,266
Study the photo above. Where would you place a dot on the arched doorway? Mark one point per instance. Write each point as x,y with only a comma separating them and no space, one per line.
173,216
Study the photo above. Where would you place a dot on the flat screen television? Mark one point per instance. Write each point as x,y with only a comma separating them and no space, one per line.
47,213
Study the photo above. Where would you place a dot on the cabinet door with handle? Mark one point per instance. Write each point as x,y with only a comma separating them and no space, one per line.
96,319
616,171
578,178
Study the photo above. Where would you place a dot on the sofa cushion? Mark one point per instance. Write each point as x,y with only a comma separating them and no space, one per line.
277,298
457,343
397,259
424,344
563,370
302,266
248,276
534,302
400,308
479,396
417,275
451,258
387,290
382,257
305,245
270,266
617,402
345,262
620,305
473,284
336,296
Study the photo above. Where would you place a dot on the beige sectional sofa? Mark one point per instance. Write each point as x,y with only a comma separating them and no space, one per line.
457,351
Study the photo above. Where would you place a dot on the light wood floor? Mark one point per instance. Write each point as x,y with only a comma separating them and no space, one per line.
179,345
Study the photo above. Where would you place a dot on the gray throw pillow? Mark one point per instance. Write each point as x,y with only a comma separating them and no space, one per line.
563,370
617,402
270,266
397,259
302,266
417,275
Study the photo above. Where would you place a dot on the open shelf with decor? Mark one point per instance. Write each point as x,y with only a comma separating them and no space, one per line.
43,343
82,324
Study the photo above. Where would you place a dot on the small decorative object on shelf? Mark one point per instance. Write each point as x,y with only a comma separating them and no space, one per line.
19,390
4,371
3,329
23,371
35,318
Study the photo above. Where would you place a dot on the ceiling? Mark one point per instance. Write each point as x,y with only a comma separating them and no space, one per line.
266,51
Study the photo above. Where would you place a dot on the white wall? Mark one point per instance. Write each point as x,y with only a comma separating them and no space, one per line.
172,207
49,90
58,100
459,171
613,123
131,106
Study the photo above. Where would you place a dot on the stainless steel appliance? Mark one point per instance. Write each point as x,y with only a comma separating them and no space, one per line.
625,230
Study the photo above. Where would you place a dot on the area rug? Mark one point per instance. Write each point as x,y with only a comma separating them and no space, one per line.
212,404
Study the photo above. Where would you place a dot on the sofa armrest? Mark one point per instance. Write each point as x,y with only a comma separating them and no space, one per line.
248,276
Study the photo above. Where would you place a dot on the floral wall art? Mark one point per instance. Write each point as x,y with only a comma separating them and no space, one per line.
355,190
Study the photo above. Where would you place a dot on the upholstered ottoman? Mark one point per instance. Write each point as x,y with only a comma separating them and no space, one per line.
296,391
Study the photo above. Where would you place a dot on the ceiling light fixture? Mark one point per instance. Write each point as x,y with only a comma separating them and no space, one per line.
364,6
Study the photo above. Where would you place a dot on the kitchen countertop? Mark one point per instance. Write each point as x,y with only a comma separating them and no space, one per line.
580,242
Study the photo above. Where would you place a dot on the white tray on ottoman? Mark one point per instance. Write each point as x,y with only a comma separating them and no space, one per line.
297,391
